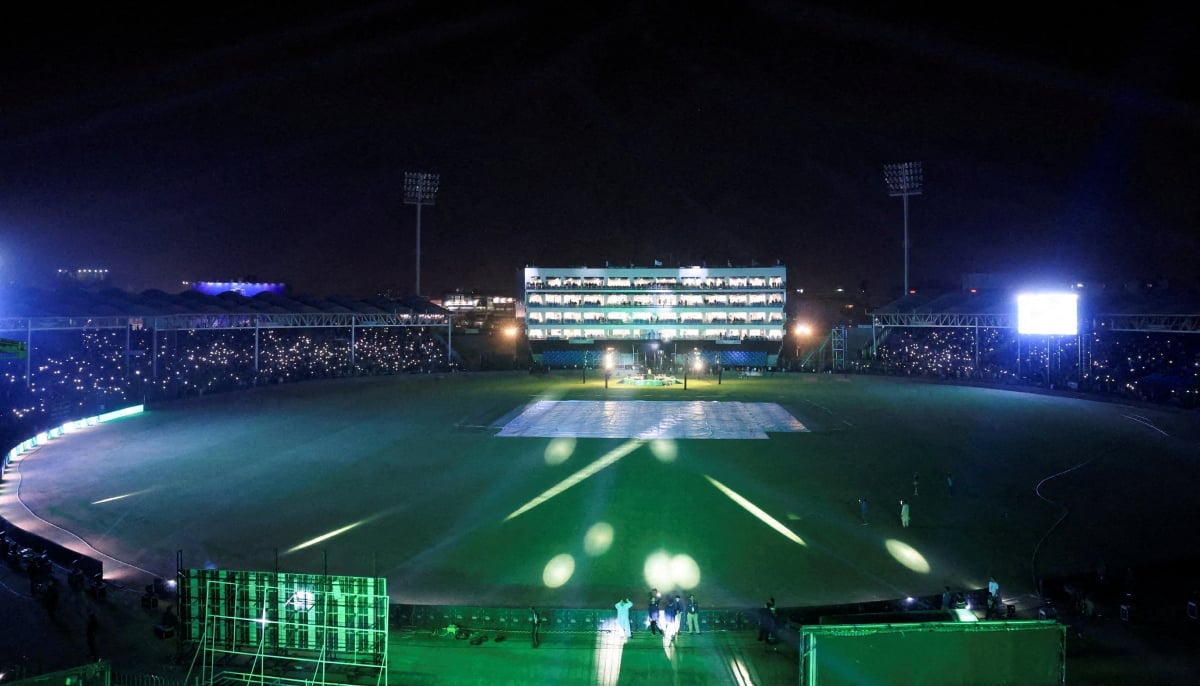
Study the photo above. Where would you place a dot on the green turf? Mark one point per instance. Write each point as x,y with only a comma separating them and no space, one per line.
414,465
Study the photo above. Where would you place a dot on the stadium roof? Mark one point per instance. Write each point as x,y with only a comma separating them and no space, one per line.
31,302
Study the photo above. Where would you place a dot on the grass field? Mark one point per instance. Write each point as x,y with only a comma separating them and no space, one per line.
406,478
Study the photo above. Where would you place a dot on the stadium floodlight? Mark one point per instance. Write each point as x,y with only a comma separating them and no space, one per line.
420,188
904,179
1048,314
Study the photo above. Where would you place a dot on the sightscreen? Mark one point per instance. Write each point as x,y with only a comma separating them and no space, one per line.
1030,653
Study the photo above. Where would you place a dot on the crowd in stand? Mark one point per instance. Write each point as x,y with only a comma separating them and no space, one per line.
1155,367
78,373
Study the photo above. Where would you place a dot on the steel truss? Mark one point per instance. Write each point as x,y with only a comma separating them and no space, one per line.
1149,323
943,320
279,629
1132,323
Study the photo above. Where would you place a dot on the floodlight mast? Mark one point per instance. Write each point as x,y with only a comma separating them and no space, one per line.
420,188
904,179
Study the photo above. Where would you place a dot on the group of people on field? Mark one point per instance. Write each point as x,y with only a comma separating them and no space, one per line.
663,615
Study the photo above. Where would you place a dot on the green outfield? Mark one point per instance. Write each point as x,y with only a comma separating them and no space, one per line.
407,478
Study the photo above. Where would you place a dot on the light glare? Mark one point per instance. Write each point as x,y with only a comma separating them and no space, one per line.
1048,314
599,539
907,556
664,570
559,450
657,570
664,449
558,570
685,572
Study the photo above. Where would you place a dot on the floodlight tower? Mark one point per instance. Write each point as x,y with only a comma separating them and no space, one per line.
904,179
420,188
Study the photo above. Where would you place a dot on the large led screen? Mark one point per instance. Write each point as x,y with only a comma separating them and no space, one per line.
1048,314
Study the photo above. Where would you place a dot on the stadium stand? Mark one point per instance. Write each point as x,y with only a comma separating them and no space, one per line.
88,351
1136,346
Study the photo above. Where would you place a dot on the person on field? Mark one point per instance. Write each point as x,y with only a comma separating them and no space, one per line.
670,618
623,606
535,622
766,622
652,611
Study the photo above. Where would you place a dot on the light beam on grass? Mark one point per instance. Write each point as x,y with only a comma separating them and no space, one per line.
756,511
614,455
908,556
121,497
610,643
740,674
326,537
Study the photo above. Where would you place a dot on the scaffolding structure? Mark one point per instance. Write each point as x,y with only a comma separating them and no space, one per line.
281,628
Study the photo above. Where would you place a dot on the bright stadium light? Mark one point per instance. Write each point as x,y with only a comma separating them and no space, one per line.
1048,314
904,179
420,188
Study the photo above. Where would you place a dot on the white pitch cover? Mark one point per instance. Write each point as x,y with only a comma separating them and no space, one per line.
650,419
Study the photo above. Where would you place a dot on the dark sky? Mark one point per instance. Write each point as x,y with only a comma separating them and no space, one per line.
231,143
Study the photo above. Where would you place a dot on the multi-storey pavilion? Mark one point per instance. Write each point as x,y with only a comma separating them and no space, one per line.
729,315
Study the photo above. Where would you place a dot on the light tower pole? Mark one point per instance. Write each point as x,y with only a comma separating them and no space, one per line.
420,188
904,179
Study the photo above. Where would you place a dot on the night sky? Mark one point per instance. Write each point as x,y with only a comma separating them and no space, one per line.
234,143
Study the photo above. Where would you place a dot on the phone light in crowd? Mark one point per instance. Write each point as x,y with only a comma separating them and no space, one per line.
1048,314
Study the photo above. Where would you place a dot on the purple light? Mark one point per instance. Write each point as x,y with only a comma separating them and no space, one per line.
241,287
